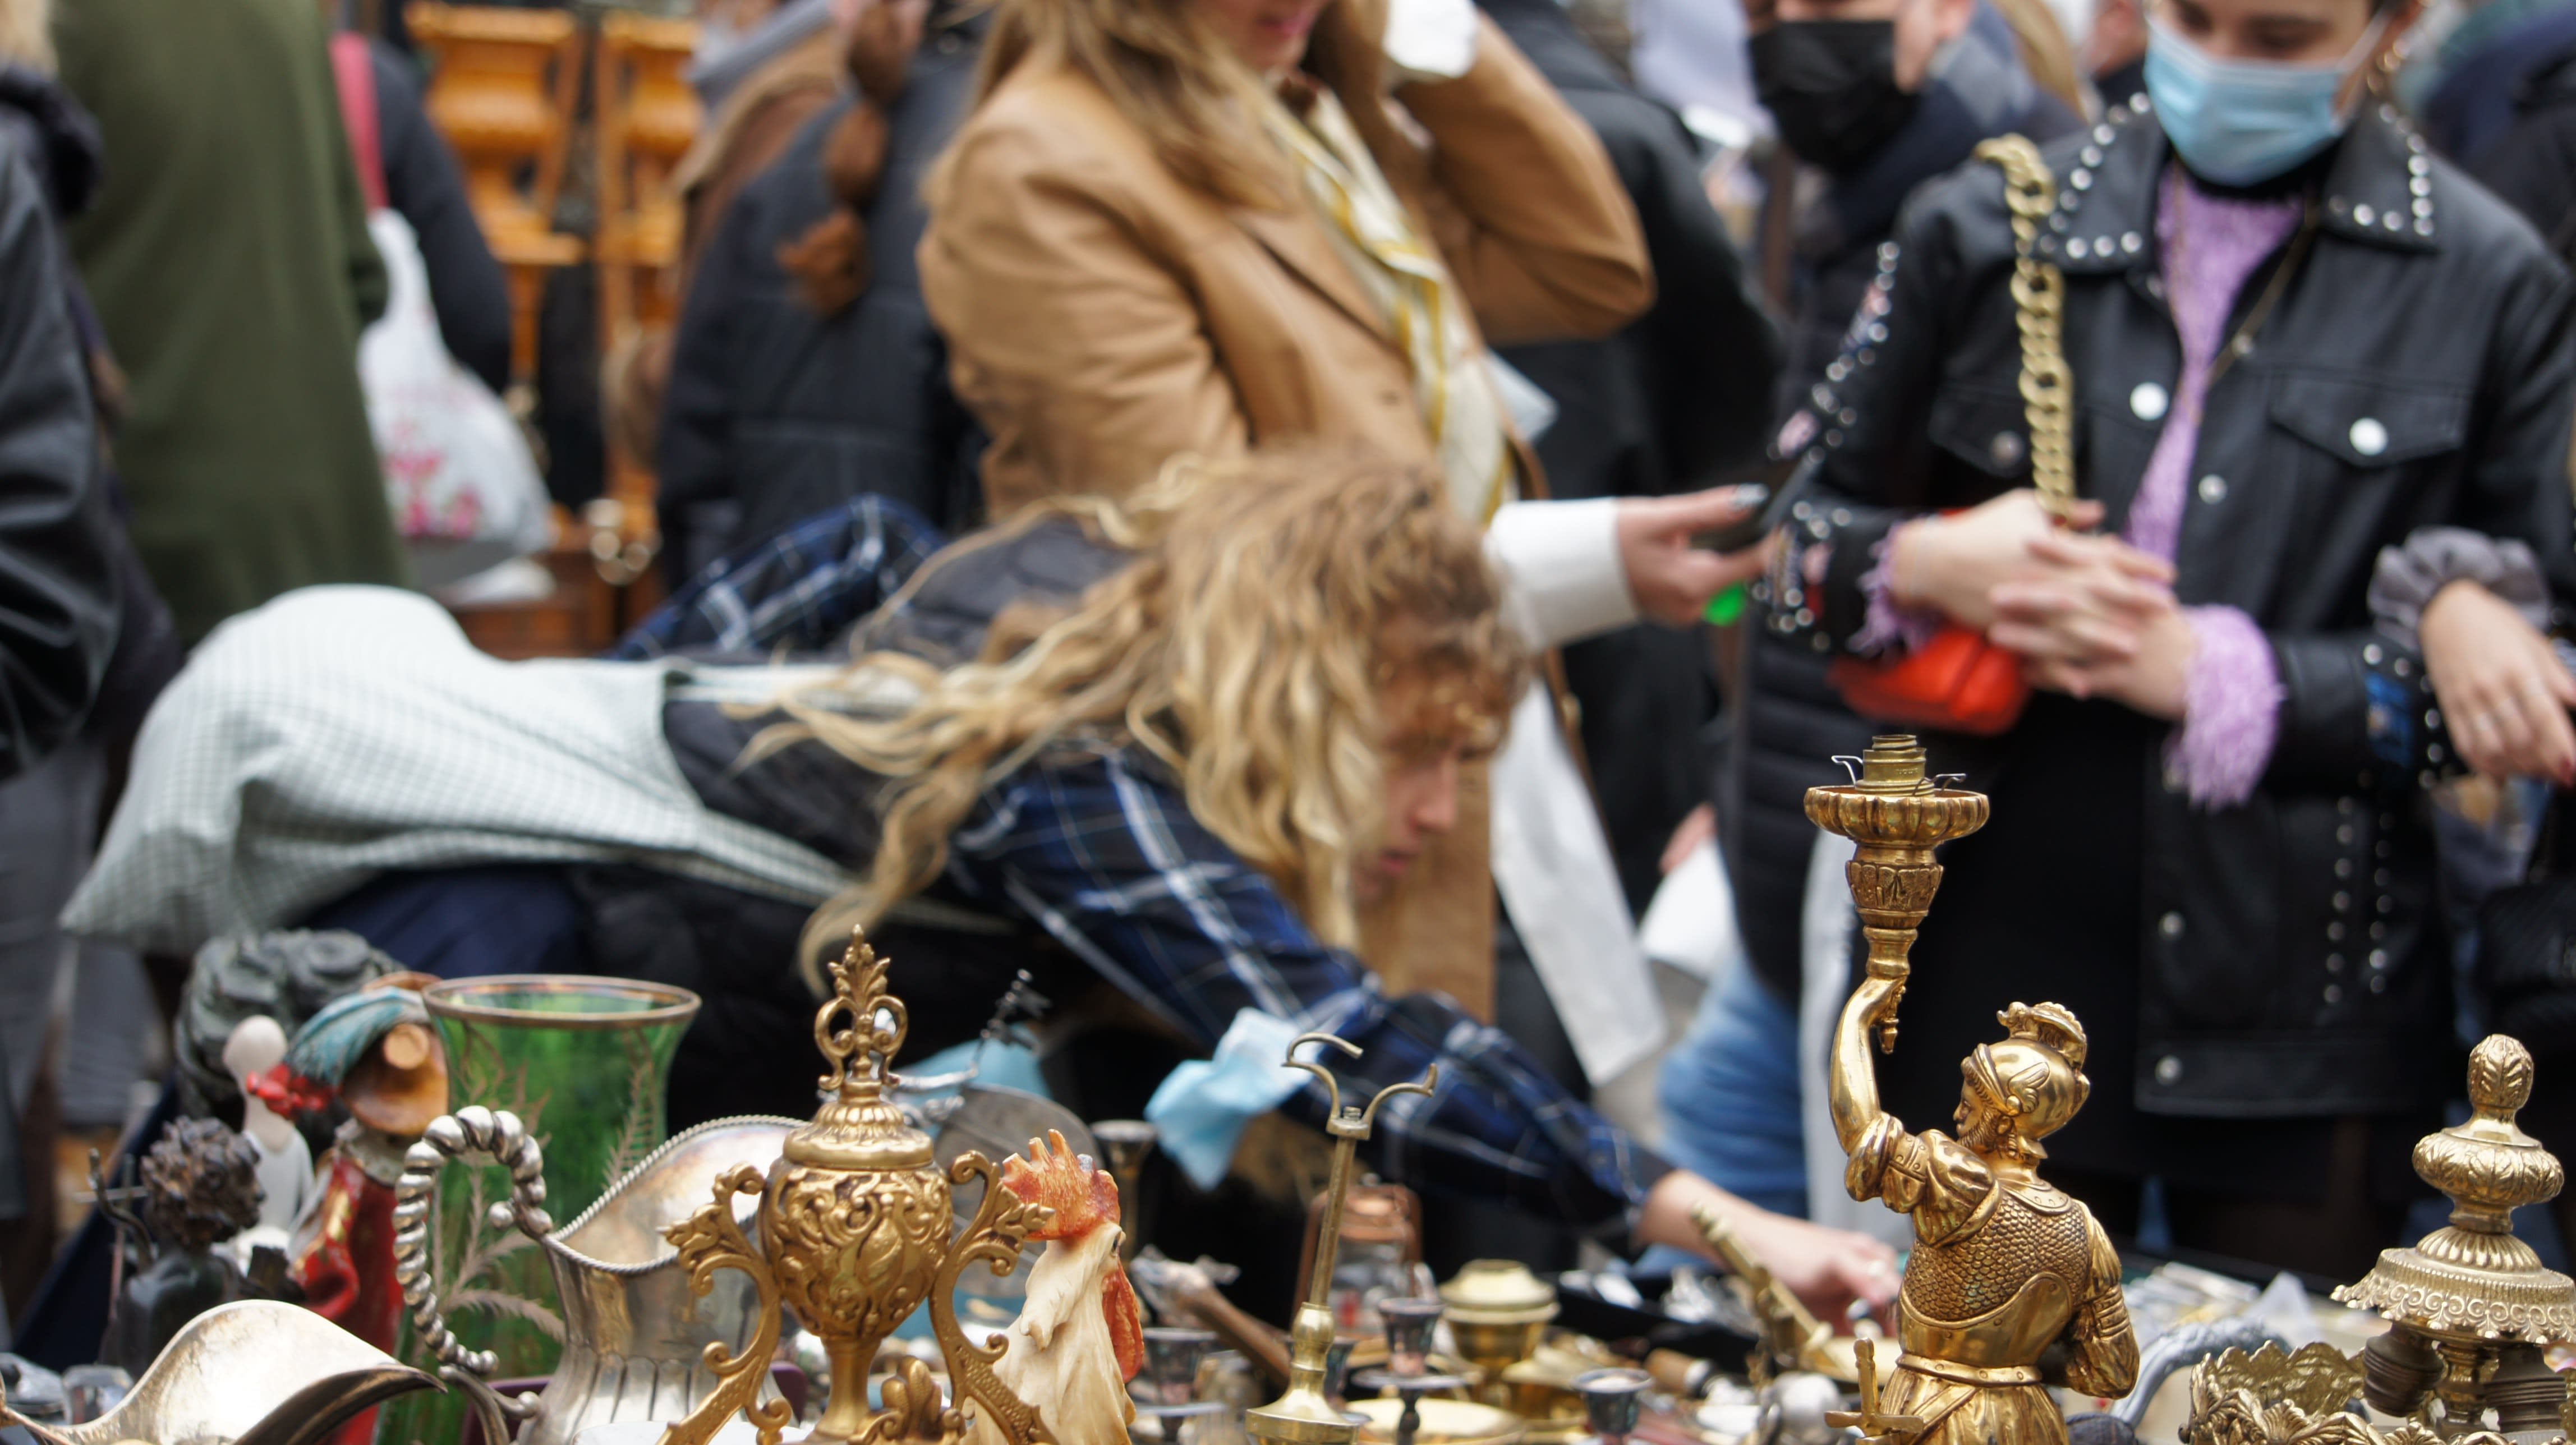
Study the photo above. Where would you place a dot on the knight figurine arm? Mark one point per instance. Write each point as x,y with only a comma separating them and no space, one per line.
1854,1073
2102,1351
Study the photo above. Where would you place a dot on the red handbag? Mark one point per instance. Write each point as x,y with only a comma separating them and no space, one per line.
1956,683
1959,682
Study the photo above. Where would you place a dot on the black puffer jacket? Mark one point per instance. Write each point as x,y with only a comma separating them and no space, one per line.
2283,958
775,412
1785,720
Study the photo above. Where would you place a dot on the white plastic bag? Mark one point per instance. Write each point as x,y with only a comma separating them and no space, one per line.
463,487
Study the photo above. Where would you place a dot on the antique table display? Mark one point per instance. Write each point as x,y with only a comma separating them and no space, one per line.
2005,1269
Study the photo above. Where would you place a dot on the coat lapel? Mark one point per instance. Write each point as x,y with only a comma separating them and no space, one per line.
1297,239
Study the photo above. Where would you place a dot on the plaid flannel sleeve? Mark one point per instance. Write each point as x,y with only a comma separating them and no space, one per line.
1103,854
799,590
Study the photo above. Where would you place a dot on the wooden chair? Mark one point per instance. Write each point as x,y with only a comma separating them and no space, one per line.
503,87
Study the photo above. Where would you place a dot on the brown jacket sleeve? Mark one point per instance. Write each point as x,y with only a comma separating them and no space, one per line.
1525,204
1082,353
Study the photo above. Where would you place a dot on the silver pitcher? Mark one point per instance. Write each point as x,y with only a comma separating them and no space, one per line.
635,1329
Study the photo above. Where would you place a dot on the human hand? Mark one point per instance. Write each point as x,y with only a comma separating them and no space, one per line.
1672,580
1697,826
2500,685
1953,563
2154,678
1827,1269
2099,621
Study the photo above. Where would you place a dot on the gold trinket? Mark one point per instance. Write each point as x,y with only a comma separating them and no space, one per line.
2469,1306
2006,1271
854,1235
1303,1416
1896,813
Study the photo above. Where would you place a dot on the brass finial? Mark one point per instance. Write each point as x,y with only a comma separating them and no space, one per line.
2473,1277
1896,811
859,1128
2470,1305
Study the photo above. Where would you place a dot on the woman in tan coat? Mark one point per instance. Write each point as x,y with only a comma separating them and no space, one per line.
1130,253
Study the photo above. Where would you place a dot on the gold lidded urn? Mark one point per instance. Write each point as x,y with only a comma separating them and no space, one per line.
854,1236
1896,812
2469,1306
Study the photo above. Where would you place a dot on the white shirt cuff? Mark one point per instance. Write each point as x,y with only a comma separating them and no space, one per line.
1562,578
1430,40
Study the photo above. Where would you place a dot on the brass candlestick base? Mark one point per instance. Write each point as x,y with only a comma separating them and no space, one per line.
854,1234
1304,1416
2469,1306
1897,813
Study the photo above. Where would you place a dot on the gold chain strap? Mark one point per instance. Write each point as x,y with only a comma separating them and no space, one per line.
2039,303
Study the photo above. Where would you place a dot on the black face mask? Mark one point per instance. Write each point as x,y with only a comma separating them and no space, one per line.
1831,86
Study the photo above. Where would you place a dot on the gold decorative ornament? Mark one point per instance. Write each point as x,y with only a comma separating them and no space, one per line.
2007,1272
1303,1416
854,1235
1895,813
1498,1312
2469,1306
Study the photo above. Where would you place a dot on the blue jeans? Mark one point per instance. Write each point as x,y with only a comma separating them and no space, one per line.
1729,1094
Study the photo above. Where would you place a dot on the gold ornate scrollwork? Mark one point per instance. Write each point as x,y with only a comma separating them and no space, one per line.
915,1411
708,1241
1000,1227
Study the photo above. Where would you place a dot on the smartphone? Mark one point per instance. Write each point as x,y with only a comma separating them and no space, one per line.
1792,481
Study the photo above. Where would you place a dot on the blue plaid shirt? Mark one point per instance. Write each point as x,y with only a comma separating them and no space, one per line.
799,590
1099,851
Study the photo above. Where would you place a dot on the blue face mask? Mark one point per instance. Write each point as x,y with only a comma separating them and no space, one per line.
2241,122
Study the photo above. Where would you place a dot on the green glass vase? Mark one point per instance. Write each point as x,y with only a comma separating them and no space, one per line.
583,1062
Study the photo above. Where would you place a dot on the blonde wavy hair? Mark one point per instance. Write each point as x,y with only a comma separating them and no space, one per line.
1281,611
1176,80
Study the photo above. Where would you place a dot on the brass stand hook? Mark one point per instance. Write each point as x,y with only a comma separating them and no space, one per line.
1303,1416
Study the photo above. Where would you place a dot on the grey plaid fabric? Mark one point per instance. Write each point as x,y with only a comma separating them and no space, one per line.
341,731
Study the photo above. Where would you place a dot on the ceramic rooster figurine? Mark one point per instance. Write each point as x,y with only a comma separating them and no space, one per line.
1079,1338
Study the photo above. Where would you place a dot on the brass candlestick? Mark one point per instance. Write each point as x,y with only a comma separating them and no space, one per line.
2469,1306
2012,1287
1897,813
1303,1416
854,1234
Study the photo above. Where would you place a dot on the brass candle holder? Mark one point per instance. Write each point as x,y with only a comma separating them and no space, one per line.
1897,813
1304,1416
2470,1307
854,1235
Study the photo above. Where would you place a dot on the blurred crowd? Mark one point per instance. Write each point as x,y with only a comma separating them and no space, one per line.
1325,513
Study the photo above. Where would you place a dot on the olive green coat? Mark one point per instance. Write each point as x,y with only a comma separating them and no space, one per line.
229,260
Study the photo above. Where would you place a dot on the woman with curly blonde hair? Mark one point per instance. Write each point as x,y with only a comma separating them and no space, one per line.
1191,775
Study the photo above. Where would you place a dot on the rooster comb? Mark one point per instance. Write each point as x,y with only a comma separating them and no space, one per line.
1082,1195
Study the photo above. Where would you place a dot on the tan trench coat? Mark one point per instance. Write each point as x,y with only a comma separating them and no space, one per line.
1102,315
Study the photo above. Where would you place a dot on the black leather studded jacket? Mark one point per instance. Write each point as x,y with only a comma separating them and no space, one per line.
2415,372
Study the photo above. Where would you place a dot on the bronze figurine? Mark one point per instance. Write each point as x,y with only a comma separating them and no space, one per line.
2005,1267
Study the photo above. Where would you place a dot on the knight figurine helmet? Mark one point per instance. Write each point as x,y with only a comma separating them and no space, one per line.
2035,1076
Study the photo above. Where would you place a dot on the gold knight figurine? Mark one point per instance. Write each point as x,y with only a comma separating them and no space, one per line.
2005,1268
